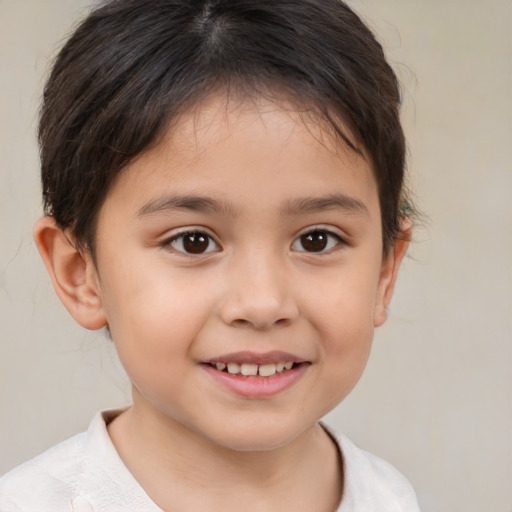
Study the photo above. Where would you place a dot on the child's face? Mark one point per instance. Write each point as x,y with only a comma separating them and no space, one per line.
282,263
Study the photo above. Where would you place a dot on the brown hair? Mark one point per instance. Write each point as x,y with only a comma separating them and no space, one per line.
133,66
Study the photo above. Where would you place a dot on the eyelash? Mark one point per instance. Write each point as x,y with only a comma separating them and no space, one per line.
328,242
332,241
181,238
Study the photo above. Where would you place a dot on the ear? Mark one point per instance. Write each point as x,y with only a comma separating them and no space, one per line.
389,272
72,272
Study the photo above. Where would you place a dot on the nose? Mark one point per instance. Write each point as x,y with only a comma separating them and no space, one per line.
259,294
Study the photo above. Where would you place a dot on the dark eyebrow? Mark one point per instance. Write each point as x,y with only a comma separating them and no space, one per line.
331,202
292,207
192,203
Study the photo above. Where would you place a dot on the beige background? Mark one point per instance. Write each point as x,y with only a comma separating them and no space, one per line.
436,399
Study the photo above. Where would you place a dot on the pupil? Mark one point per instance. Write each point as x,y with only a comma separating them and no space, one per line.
314,242
195,243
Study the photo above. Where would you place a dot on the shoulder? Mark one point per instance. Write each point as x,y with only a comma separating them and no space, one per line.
82,474
48,479
371,483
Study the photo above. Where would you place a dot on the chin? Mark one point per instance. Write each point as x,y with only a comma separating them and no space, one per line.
257,436
255,444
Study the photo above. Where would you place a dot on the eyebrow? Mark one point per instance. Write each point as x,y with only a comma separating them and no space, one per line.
320,204
192,203
297,206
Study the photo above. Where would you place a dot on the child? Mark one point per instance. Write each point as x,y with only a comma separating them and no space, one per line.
223,184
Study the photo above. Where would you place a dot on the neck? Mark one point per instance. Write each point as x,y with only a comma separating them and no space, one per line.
171,462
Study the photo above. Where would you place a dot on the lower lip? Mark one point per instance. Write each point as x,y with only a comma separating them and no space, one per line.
257,387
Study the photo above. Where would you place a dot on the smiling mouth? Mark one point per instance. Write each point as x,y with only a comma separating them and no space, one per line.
257,375
253,370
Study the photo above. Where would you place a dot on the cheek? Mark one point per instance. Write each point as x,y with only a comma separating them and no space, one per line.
154,319
342,312
346,349
343,301
347,338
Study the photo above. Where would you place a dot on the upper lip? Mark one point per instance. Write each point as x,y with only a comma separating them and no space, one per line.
249,357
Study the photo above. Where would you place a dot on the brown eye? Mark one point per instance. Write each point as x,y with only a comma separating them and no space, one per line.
316,241
194,242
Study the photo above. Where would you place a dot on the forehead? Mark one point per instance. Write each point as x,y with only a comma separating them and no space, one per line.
222,113
247,152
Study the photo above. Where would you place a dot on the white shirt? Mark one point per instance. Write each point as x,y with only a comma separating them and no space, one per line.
86,474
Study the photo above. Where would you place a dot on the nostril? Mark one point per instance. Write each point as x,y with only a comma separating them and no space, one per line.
259,311
260,325
240,322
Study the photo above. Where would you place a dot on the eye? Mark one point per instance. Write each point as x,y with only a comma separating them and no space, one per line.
193,242
317,240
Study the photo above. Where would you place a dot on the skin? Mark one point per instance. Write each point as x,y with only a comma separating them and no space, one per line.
256,288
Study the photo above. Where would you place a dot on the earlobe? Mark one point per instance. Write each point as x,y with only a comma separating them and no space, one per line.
389,272
72,272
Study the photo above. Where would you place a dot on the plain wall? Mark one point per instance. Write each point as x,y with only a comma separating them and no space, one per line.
436,399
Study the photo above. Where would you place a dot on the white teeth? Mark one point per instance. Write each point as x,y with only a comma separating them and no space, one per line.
266,370
279,367
249,369
233,368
